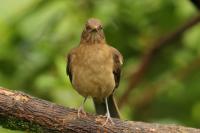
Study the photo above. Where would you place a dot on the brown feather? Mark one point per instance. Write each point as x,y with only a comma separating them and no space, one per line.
118,61
68,69
94,68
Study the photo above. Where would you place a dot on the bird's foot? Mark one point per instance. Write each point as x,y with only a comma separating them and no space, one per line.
108,119
81,111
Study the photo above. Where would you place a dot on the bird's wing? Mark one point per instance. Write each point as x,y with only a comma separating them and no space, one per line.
118,61
68,68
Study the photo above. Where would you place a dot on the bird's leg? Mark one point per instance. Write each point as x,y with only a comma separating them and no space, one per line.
108,118
81,108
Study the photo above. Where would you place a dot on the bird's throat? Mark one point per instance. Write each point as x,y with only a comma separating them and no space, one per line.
93,38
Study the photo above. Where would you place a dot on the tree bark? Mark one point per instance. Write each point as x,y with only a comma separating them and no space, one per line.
19,111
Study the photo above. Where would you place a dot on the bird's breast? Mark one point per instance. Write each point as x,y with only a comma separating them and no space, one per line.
93,72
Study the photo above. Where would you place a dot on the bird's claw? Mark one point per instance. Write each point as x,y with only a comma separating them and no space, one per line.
81,111
108,119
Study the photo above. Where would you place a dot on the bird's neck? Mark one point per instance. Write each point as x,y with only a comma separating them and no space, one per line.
93,39
93,42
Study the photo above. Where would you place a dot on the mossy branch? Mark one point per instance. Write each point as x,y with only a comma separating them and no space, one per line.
19,111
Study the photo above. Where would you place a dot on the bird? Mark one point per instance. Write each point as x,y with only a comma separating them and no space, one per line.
94,69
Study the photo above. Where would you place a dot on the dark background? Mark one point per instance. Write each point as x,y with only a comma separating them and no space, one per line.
36,35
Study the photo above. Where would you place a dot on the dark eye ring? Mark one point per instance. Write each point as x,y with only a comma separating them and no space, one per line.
100,27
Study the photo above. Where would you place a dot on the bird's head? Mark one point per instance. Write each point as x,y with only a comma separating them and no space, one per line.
93,32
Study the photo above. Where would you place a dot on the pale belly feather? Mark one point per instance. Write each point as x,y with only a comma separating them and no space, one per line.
93,73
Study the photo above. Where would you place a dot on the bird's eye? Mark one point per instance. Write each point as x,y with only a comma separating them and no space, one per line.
100,27
87,27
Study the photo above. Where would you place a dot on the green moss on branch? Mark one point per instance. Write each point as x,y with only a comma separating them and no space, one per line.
17,124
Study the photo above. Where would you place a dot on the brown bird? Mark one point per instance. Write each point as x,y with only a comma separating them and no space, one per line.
94,69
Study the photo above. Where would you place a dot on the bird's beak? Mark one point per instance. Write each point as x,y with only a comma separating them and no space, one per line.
95,28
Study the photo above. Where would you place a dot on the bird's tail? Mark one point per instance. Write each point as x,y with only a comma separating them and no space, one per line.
101,107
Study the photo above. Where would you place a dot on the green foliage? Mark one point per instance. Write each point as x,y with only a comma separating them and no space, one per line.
15,124
36,35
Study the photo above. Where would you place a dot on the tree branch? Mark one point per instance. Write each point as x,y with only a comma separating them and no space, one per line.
19,111
136,77
142,102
